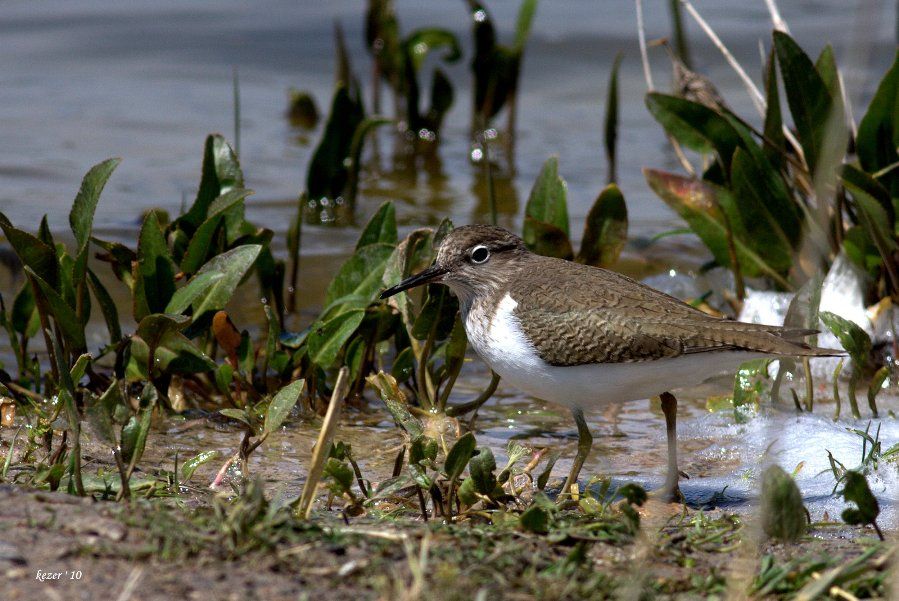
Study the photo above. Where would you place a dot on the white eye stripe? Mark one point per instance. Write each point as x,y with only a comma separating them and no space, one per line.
480,254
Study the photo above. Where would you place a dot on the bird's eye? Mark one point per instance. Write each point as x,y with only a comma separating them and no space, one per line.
480,254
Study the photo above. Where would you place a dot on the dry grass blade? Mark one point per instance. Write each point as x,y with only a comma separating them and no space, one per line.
323,444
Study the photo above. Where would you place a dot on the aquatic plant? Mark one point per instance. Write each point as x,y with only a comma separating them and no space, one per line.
764,200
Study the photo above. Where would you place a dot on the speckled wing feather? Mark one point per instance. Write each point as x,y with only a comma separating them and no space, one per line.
560,302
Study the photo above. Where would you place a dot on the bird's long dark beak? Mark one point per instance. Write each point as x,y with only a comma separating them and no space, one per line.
430,274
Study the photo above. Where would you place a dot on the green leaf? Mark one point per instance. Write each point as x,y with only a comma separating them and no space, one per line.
191,465
32,252
782,511
610,128
826,66
327,175
807,94
236,414
695,125
854,339
875,220
134,436
397,405
154,329
878,132
99,413
605,231
154,274
340,473
381,228
327,338
404,365
233,265
459,455
775,142
422,42
81,217
361,274
481,467
548,202
699,204
760,229
63,314
547,240
201,242
279,407
107,306
856,490
187,294
24,317
535,519
523,24
221,173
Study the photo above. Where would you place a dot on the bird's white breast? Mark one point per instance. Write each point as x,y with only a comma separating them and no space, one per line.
503,345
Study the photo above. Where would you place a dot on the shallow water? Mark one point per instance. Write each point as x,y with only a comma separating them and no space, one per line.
85,79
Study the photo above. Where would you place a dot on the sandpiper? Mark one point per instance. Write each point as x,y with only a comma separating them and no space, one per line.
585,337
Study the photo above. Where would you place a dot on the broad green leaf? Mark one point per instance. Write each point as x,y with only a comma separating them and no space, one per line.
107,306
154,274
362,274
175,355
856,490
698,203
201,246
281,404
155,328
381,228
854,339
389,391
233,265
547,240
761,230
81,217
340,473
422,42
481,467
878,132
188,293
605,231
77,371
99,413
327,338
32,252
548,201
610,128
221,173
190,466
875,220
826,66
782,511
459,455
134,436
327,175
775,142
807,94
404,365
535,519
24,317
63,314
523,24
236,414
438,314
695,125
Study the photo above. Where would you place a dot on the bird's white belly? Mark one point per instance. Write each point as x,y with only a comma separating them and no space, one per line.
504,347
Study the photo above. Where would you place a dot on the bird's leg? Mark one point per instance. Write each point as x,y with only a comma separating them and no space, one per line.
671,490
584,444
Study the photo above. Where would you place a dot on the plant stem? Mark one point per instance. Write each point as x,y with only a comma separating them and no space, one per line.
303,506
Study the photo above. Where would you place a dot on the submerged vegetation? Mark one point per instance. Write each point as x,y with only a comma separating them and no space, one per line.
775,207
